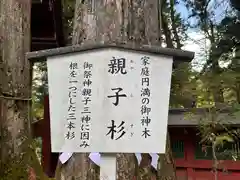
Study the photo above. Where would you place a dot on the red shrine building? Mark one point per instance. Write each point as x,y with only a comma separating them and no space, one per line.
192,161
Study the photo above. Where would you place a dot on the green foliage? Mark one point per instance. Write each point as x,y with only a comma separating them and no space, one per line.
217,133
173,26
39,89
68,14
17,165
183,87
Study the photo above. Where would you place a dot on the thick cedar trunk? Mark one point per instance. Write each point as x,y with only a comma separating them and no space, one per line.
14,74
112,21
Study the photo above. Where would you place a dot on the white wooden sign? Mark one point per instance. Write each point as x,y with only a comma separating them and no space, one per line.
109,101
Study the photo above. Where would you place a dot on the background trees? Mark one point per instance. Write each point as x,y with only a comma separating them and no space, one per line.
210,25
215,82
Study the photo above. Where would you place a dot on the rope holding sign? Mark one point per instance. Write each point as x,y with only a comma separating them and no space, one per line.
15,98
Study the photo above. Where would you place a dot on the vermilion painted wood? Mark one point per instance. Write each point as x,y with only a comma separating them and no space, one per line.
189,160
46,142
49,159
208,164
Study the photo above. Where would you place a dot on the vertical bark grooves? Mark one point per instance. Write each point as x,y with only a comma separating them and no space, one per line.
152,24
14,67
111,21
117,21
146,171
15,90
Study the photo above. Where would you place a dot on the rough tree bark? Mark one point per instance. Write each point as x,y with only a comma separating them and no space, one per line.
112,21
14,74
166,165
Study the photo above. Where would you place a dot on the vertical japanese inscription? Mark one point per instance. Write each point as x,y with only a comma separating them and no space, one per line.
145,96
86,100
72,94
117,66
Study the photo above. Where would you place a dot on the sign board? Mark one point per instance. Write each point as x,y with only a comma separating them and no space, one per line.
109,101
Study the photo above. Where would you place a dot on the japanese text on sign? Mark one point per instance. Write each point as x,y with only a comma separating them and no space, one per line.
86,113
109,101
145,94
72,94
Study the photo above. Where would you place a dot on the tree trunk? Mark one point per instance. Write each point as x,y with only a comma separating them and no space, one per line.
166,165
15,91
146,171
113,21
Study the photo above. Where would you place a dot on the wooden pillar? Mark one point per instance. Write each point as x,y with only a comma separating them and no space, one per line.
49,159
189,146
41,129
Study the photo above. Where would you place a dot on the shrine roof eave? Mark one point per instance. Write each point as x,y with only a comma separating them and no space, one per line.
177,54
187,117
